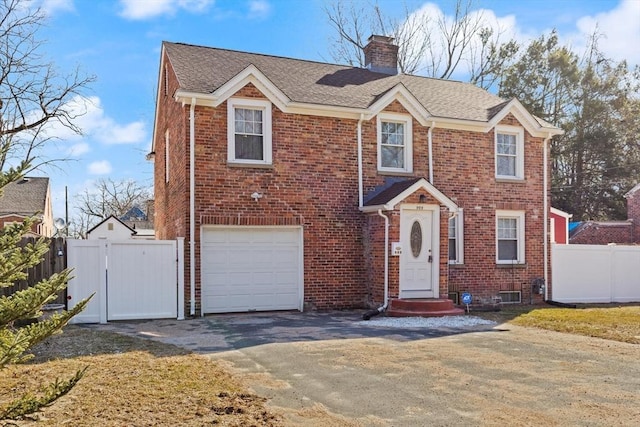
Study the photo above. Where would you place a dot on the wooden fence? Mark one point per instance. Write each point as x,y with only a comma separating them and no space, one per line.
54,262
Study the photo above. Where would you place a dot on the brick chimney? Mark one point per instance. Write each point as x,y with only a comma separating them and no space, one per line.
381,55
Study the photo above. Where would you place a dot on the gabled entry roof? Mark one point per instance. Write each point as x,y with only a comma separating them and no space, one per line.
396,192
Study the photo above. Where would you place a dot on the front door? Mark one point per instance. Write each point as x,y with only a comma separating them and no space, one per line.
419,257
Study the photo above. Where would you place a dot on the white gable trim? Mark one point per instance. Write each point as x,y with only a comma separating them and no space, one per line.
418,185
561,213
525,118
401,94
252,75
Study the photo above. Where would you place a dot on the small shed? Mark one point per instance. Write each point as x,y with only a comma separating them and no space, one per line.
559,226
111,228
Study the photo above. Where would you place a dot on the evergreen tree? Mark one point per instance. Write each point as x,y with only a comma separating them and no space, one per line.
22,306
596,102
33,96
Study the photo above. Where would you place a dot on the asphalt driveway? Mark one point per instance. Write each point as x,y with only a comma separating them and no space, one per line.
335,369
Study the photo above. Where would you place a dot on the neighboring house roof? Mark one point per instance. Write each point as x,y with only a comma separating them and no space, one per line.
293,83
25,197
134,214
633,190
107,219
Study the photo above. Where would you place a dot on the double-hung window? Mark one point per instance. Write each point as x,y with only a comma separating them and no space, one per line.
395,134
249,131
510,237
456,236
509,148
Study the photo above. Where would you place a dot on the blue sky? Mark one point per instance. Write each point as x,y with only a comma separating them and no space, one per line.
119,42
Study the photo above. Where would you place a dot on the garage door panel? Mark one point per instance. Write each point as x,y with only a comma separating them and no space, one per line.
246,269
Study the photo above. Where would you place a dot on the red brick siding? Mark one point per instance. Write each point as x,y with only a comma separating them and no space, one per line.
314,182
603,234
10,219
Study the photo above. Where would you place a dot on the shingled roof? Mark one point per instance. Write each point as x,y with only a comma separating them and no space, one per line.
205,69
25,197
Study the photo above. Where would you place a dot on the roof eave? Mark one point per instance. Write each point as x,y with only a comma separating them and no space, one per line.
529,122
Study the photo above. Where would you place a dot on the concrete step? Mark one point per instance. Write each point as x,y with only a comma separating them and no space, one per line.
423,308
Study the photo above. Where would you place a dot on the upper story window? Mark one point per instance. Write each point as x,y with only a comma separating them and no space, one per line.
395,135
249,131
510,237
509,147
456,239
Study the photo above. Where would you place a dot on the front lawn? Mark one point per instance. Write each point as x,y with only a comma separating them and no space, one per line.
608,321
132,381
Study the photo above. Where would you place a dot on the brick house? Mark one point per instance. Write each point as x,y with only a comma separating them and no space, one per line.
26,198
306,185
605,232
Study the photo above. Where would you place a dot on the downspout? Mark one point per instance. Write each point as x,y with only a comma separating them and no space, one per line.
192,202
430,143
545,185
360,185
369,314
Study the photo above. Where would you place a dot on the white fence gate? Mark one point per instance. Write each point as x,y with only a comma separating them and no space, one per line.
595,273
131,279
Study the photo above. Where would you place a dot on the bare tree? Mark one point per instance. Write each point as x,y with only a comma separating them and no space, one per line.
107,197
354,22
429,43
33,95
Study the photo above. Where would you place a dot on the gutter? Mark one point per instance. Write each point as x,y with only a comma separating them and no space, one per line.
369,314
192,202
360,185
545,186
430,143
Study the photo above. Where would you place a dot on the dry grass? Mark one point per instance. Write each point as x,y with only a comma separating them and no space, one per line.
612,323
133,382
608,321
137,382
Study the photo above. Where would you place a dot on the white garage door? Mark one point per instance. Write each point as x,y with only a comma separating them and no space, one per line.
251,268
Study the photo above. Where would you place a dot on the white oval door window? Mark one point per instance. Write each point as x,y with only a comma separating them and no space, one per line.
416,239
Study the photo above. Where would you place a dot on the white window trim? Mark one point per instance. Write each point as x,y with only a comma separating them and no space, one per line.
519,134
519,216
251,104
408,140
459,225
166,156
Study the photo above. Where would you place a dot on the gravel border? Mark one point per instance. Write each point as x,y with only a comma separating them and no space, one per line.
428,322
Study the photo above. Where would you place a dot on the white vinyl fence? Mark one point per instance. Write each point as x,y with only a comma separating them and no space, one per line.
595,273
131,279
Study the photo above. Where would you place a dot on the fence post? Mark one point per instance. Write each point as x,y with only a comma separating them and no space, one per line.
180,282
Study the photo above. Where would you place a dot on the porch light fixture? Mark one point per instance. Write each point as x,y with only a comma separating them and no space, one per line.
256,196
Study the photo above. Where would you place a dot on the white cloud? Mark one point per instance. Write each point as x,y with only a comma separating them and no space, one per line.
51,7
90,117
140,10
621,29
132,133
259,9
78,149
102,167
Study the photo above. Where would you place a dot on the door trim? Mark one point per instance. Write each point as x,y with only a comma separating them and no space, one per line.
435,246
